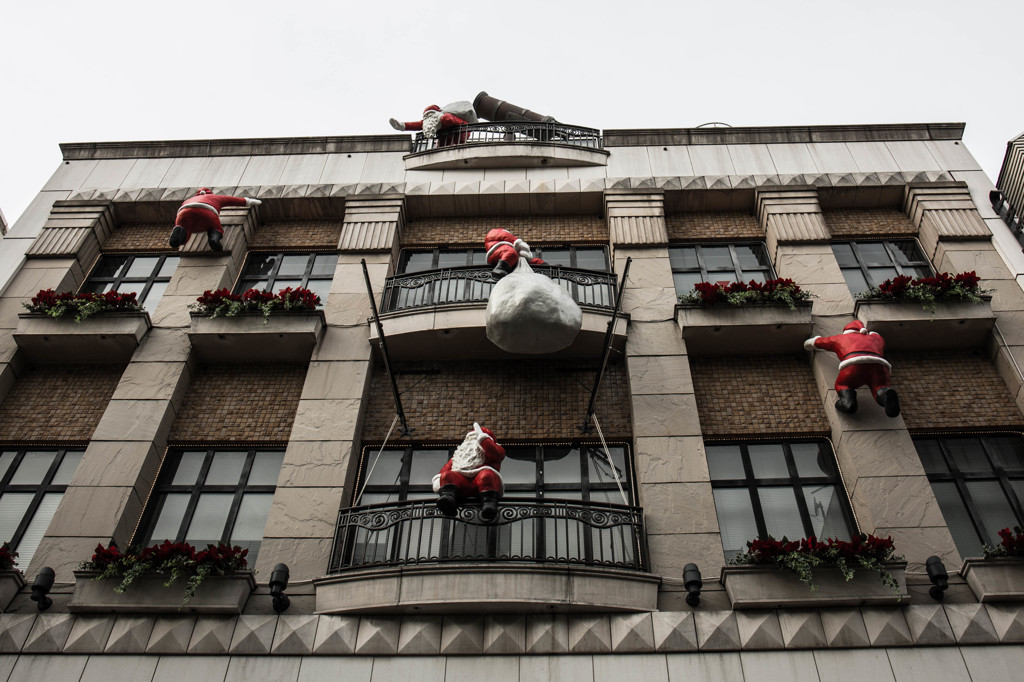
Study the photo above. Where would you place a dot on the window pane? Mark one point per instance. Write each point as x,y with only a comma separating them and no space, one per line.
812,460
917,271
724,462
265,468
320,287
717,258
601,470
252,517
561,465
33,468
293,266
286,284
478,257
768,461
879,275
209,519
751,256
170,510
153,296
683,258
957,519
684,281
324,265
844,255
519,467
756,275
110,266
188,468
873,253
425,465
781,515
260,264
826,509
1007,451
37,528
855,280
167,269
12,510
226,468
386,469
716,276
6,458
907,252
969,456
417,261
591,259
735,519
931,456
142,266
555,256
452,259
991,503
67,468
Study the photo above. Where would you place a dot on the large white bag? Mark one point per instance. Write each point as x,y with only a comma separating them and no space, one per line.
529,313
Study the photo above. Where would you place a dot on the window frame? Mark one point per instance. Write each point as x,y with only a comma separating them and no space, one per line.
147,282
739,272
891,250
271,277
475,254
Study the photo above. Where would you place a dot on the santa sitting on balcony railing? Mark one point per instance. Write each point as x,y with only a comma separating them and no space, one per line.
473,471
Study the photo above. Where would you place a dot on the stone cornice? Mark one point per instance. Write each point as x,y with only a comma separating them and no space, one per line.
784,134
265,146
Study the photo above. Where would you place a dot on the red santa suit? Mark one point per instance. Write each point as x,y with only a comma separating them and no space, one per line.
473,471
433,122
504,250
201,213
861,363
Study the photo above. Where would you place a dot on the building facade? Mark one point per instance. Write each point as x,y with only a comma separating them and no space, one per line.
709,426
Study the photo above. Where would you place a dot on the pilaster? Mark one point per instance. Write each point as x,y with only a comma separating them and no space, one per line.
943,211
635,218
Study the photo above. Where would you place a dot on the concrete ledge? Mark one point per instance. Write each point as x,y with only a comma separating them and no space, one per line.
11,582
727,330
506,155
286,337
107,337
766,587
995,580
491,587
219,594
955,324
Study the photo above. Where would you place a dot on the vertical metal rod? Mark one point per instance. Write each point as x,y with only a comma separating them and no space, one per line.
384,351
607,349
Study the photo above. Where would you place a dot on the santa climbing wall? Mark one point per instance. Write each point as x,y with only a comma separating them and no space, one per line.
861,363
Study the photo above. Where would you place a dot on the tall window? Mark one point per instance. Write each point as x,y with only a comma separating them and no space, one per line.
206,497
275,271
718,263
32,482
979,484
868,264
147,276
785,489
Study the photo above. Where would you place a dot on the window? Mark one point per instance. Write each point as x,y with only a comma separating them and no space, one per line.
147,276
784,489
718,263
868,264
275,271
581,257
204,497
979,484
33,483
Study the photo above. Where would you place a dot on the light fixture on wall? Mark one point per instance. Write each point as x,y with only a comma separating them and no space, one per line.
41,587
692,582
278,584
937,574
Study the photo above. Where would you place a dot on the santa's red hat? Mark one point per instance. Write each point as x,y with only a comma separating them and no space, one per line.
432,107
855,327
204,190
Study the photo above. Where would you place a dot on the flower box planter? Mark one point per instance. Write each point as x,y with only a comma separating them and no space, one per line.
106,337
766,587
723,329
11,582
954,324
219,594
995,579
286,336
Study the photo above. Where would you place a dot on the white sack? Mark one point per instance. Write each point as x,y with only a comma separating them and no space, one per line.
529,313
462,109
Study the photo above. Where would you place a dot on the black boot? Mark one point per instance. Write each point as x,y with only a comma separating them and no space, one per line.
847,401
887,398
448,500
489,508
213,236
178,236
501,268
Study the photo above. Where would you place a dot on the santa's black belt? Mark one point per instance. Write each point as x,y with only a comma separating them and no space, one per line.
861,352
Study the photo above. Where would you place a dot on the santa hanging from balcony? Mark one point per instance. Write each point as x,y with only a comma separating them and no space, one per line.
436,119
473,471
201,213
504,250
861,363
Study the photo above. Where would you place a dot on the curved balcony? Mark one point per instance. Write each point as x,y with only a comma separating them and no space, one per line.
508,144
435,314
537,555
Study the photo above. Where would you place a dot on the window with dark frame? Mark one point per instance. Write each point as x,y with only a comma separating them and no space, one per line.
868,264
275,271
739,262
33,481
579,257
146,275
978,481
206,497
786,489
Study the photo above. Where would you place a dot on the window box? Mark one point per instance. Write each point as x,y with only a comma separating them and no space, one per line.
996,579
285,337
758,328
11,582
219,594
766,587
106,337
954,324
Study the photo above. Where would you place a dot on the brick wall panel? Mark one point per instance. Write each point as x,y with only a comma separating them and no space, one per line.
234,403
869,222
58,402
298,234
139,237
717,225
537,230
518,399
757,395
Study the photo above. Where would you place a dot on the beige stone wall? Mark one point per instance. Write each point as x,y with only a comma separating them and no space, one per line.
538,230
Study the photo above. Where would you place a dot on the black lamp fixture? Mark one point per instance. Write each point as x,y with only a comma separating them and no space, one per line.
937,574
278,584
41,587
692,582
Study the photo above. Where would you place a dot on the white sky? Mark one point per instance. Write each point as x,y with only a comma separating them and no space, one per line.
112,70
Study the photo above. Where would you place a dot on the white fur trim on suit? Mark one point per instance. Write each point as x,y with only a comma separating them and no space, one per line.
199,204
864,360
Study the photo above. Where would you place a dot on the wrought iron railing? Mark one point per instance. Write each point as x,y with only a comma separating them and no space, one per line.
526,530
509,133
452,286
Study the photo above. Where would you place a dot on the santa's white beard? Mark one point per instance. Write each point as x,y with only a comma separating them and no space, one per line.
469,455
431,124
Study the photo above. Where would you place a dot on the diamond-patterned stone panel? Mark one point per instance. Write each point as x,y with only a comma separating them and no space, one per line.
759,630
89,635
420,635
547,634
674,631
377,636
589,634
336,635
171,635
14,629
462,635
801,629
886,627
632,632
717,630
130,635
844,628
49,633
928,625
253,635
212,635
971,623
504,634
1007,621
294,635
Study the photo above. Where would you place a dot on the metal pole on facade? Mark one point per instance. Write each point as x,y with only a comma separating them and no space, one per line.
607,350
404,428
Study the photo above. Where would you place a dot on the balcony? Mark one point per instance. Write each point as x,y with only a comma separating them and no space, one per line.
285,337
440,313
722,330
953,324
506,145
538,555
107,337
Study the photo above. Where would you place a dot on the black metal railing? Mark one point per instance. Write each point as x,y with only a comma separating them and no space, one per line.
472,284
526,530
510,133
1010,216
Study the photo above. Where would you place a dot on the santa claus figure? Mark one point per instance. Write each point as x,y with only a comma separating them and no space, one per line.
861,363
504,250
473,471
201,213
435,119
